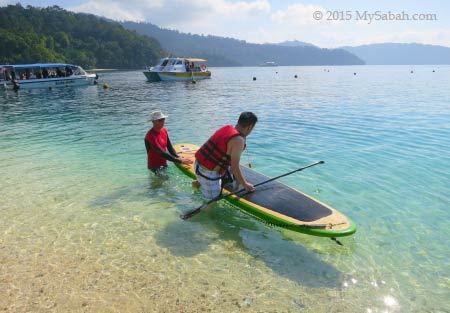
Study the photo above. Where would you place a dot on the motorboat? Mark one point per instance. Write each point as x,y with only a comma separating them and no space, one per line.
44,75
269,63
178,69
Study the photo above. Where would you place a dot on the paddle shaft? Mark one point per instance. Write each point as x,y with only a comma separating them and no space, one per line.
220,197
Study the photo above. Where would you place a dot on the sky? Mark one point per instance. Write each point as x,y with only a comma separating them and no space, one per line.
324,23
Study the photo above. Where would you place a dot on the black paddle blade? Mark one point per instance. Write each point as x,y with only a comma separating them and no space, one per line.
200,208
337,241
191,214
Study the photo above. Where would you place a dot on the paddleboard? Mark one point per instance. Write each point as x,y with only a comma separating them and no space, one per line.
278,204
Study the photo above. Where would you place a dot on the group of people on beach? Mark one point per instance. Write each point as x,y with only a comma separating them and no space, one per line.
217,159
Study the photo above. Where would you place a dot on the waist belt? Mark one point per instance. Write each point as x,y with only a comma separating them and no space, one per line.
197,171
227,177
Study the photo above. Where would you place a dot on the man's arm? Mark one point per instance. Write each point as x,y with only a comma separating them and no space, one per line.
161,153
174,153
236,147
171,149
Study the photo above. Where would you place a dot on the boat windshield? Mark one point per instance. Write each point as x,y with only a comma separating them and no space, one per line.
78,70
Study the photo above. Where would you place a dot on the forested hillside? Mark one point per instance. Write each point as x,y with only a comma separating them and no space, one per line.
222,51
52,34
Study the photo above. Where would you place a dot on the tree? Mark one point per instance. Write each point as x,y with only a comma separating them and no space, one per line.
52,34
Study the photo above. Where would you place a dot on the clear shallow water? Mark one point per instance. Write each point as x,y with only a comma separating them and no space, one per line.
85,227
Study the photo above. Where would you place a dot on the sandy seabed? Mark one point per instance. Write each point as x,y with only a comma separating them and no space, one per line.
65,263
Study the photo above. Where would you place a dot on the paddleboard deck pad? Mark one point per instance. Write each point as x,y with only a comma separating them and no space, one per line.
278,204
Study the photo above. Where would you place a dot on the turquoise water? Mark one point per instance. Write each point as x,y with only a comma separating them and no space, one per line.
85,228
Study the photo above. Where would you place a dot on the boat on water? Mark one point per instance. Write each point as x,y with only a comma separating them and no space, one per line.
268,64
44,75
178,69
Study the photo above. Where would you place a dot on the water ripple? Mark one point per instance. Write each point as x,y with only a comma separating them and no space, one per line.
75,187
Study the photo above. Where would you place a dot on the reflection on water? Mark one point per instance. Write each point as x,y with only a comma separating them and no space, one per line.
86,228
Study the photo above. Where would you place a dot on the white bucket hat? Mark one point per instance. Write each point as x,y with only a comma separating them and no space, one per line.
157,115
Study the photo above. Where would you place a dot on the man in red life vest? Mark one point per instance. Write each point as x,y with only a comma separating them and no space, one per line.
159,148
221,152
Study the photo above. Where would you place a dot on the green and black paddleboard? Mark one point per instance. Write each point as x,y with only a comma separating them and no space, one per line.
280,205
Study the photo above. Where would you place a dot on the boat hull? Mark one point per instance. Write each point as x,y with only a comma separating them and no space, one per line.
178,69
152,76
57,82
183,76
176,76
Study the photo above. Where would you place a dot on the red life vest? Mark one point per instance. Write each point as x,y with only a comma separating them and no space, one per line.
159,140
214,152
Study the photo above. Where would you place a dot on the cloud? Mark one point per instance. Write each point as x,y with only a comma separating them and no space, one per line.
299,15
256,21
170,12
309,23
234,9
130,10
237,19
297,22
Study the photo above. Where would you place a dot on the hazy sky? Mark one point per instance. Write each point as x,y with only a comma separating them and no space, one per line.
325,23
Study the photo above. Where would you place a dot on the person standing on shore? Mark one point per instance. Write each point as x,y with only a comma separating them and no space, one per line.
159,148
223,152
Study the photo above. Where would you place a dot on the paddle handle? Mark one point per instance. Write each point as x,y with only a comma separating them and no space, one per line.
268,181
286,174
222,196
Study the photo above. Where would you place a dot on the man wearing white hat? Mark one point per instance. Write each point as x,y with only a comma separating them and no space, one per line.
159,148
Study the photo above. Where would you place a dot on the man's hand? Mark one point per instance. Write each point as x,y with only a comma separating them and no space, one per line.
186,161
249,187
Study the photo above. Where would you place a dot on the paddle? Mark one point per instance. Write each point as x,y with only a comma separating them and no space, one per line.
222,196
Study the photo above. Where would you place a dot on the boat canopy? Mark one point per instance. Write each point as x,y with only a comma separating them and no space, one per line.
195,60
18,66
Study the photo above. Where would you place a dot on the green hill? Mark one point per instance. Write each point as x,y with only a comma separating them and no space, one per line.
52,34
222,51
